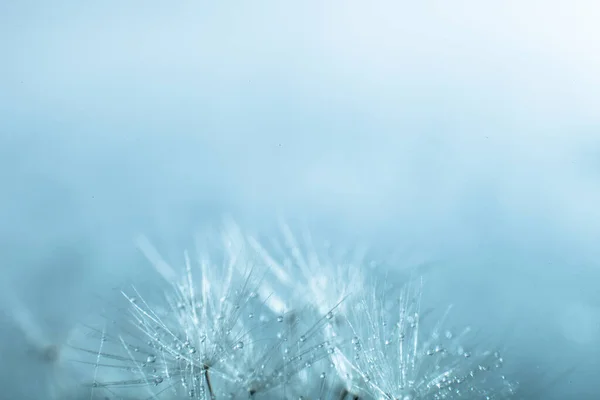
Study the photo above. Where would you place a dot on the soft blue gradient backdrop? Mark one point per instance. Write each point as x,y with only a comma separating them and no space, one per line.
465,130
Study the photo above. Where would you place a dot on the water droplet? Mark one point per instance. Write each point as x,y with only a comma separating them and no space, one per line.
151,358
329,315
280,319
239,345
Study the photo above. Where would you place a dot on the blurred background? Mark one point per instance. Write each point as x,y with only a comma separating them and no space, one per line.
465,133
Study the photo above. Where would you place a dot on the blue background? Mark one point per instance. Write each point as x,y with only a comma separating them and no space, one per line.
464,134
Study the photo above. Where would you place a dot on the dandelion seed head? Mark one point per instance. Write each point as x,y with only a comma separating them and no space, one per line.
409,358
285,319
206,341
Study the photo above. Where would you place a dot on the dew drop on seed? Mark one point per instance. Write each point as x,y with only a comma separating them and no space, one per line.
355,340
239,345
280,319
303,338
329,315
151,358
251,315
322,376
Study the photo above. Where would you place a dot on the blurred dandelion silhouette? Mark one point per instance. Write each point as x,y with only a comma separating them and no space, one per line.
316,276
48,356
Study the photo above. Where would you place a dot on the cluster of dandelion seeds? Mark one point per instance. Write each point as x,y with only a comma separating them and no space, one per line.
282,322
398,352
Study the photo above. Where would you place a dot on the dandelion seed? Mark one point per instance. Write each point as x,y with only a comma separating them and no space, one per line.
417,364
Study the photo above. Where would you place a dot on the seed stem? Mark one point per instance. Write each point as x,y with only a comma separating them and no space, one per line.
345,393
208,384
